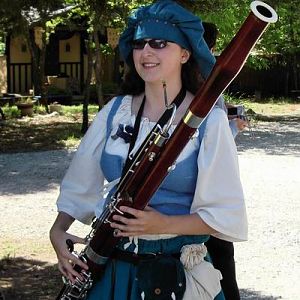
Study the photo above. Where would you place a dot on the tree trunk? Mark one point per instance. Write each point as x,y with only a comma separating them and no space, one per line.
35,57
43,79
97,68
38,67
87,86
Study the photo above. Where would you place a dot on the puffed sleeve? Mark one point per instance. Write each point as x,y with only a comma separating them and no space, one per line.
81,185
219,198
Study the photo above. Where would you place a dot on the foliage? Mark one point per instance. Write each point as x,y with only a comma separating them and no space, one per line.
27,100
267,106
232,99
281,38
11,112
76,109
203,6
2,45
286,36
18,16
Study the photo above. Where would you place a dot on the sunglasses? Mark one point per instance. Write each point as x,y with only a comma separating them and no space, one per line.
153,43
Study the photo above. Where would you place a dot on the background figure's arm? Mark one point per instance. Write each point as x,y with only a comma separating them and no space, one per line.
233,127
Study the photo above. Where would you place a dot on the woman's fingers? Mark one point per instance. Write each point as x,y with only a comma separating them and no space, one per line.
62,269
132,211
74,260
70,273
125,220
147,221
127,228
63,245
66,266
139,218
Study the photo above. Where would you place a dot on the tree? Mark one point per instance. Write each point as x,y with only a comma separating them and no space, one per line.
279,45
99,15
2,44
285,40
20,18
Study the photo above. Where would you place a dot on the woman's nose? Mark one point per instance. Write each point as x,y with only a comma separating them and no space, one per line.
147,48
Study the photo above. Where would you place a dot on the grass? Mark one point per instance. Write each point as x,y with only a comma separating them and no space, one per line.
29,247
77,109
67,110
267,106
42,131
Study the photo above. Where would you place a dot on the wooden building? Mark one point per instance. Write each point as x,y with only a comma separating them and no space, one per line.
65,65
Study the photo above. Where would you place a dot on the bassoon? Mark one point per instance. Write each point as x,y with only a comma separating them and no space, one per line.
156,156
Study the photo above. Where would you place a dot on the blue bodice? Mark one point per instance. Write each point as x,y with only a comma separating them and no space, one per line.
175,195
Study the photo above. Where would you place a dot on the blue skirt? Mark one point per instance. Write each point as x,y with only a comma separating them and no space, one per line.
119,279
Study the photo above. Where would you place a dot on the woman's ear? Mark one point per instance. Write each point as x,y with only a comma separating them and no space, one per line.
185,56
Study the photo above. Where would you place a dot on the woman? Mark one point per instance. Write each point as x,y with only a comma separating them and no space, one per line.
202,196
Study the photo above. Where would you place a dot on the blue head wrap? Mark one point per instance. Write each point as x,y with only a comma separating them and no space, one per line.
169,21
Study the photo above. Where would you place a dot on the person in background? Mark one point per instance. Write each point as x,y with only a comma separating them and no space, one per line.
202,196
221,251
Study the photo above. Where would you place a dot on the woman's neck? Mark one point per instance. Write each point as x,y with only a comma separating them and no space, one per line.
155,99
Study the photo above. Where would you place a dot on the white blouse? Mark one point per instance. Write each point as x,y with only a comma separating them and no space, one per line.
218,197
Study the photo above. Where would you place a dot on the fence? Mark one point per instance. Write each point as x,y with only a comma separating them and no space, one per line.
20,77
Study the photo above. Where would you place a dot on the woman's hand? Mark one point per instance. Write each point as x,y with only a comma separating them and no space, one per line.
66,260
147,221
150,221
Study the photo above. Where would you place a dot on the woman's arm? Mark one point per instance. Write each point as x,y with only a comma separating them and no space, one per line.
58,237
151,221
79,193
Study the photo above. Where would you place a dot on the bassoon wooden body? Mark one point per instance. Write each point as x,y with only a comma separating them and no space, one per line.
158,153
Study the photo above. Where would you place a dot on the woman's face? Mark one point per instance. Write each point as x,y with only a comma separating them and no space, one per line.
164,63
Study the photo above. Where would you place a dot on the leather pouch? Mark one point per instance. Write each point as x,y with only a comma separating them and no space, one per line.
161,278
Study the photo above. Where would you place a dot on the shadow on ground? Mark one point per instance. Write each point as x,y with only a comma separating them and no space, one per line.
23,279
272,138
28,136
253,295
48,167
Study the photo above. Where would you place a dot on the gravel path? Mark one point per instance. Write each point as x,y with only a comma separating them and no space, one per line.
268,265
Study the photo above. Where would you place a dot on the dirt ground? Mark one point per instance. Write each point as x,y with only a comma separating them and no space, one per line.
43,132
268,265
